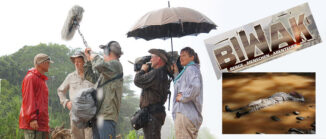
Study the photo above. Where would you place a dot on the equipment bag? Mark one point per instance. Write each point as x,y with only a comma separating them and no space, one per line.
140,118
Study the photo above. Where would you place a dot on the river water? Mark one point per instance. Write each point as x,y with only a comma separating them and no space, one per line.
239,89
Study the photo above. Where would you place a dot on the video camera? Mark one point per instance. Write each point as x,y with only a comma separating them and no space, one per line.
142,60
146,60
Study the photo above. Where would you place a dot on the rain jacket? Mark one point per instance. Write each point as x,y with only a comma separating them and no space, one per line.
190,85
155,89
155,86
35,101
111,91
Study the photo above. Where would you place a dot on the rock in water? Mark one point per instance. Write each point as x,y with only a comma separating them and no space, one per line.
296,112
275,118
299,118
227,108
313,124
295,131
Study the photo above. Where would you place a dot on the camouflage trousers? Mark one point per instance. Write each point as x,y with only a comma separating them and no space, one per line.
33,134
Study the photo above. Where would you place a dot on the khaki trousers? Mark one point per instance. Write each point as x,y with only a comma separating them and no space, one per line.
77,133
184,128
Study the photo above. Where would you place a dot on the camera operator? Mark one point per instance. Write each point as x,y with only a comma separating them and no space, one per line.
155,89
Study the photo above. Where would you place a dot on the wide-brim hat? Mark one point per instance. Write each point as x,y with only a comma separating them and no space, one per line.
161,53
78,54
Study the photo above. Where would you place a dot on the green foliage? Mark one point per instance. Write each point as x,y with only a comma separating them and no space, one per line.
133,135
14,67
205,134
10,108
129,105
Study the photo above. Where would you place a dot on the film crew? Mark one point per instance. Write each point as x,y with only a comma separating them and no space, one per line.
265,102
75,82
188,96
34,115
108,73
155,86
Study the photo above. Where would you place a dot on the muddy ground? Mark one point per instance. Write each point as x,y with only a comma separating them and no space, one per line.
239,89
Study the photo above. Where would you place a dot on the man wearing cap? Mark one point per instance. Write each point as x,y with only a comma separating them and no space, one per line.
155,88
75,82
34,116
106,72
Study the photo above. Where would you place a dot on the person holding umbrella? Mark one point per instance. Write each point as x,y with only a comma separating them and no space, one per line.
178,22
188,96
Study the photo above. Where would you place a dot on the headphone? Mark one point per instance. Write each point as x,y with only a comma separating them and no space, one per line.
108,46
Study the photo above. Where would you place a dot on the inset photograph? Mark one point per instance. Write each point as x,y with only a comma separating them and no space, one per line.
269,103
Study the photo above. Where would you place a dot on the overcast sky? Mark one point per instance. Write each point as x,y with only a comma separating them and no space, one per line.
33,22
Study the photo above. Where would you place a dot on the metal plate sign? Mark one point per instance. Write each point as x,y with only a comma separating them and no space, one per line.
263,40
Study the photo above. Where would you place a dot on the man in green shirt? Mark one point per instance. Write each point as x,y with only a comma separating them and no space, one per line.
99,70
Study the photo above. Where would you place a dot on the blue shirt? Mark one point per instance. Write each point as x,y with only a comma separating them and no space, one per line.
190,85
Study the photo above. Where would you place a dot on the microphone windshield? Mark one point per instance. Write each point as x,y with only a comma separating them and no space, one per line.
75,16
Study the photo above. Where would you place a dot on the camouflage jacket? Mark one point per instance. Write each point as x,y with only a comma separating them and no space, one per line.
98,71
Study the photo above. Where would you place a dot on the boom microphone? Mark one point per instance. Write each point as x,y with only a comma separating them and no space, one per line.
71,24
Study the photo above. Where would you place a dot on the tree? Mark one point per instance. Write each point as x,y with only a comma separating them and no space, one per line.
129,105
9,110
14,67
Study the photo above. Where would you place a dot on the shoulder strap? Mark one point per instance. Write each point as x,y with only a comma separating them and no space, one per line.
169,101
169,92
99,86
116,77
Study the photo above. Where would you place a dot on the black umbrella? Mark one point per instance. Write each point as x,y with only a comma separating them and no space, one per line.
171,22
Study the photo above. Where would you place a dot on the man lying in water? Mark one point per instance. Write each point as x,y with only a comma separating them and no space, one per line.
265,102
